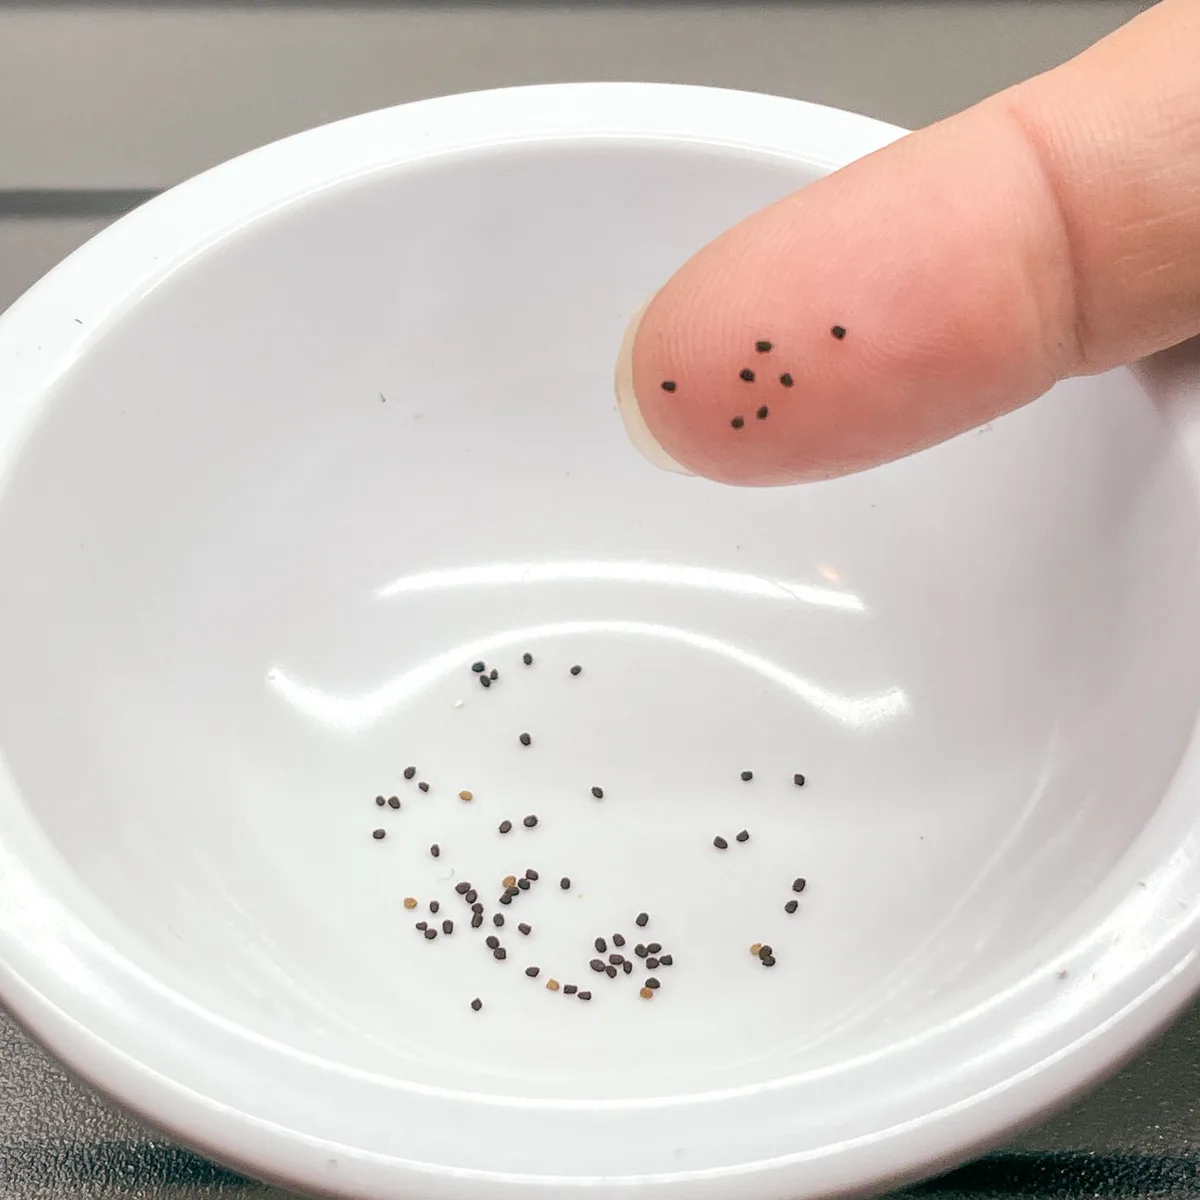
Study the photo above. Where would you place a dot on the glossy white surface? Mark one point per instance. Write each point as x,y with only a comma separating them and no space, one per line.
284,451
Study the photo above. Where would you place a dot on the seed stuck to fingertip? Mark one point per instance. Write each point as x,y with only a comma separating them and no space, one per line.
668,385
838,332
379,834
786,380
746,374
763,347
737,422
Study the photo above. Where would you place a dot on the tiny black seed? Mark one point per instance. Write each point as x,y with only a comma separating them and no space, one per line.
737,422
570,988
652,983
798,780
763,347
627,967
379,834
532,874
477,1004
525,739
476,920
447,926
666,961
798,885
668,385
720,843
506,899
597,964
786,380
576,669
640,950
422,925
769,961
476,907
527,658
430,934
641,919
434,905
505,826
393,801
616,959
423,786
485,681
764,951
409,772
611,972
493,674
651,963
524,884
654,947
533,972
472,898
746,374
380,801
478,667
500,954
618,939
462,888
598,793
747,776
498,920
601,945
491,941
791,906
585,995
565,883
525,929
838,332
530,821
744,836
512,890
761,414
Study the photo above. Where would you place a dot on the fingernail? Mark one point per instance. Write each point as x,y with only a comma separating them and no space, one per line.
627,404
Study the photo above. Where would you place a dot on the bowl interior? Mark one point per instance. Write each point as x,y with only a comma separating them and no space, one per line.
274,513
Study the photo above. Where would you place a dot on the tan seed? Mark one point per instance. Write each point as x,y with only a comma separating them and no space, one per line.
756,948
553,985
410,902
466,796
647,993
509,881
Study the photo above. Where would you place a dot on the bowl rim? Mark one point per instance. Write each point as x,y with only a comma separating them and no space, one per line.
64,975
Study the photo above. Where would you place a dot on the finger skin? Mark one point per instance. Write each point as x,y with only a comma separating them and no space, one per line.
1052,230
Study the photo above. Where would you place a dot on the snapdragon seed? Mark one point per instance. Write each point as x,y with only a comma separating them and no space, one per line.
379,834
598,793
477,1004
720,843
525,928
641,919
409,772
527,658
505,826
791,906
533,972
525,739
798,885
478,667
423,786
565,883
744,836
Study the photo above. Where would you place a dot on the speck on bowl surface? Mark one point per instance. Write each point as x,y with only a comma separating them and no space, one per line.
288,449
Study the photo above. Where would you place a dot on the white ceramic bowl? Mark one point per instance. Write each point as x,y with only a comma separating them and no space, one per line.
284,451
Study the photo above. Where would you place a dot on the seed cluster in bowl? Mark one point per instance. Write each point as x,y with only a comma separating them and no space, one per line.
611,955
